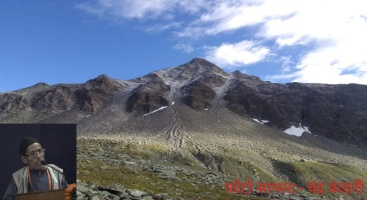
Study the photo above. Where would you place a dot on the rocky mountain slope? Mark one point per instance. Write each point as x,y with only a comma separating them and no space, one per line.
338,112
200,119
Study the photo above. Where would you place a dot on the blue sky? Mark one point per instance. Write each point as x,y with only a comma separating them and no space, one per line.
62,41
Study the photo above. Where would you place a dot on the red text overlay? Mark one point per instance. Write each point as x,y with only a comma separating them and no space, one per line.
247,187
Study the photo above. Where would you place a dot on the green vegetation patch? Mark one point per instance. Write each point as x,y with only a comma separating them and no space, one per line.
304,173
231,164
96,171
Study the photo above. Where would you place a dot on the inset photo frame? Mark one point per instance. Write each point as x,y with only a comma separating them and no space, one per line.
59,140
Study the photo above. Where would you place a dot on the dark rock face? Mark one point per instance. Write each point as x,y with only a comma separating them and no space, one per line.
143,102
58,98
212,80
90,100
334,111
198,95
245,100
195,103
148,97
50,100
61,98
96,94
10,102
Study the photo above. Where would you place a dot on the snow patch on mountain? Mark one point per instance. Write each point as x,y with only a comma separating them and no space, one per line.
297,131
161,108
261,121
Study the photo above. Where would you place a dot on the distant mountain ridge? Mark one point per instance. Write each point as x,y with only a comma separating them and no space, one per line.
107,105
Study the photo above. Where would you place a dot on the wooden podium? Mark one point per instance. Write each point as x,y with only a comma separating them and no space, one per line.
45,195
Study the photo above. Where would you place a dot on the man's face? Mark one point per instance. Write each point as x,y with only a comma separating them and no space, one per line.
33,157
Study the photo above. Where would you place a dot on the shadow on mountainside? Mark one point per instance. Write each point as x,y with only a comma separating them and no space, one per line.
289,171
332,146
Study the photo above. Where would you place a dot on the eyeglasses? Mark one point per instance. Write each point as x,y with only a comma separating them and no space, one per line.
34,153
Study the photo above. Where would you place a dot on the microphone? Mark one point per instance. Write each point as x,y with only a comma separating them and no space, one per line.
43,162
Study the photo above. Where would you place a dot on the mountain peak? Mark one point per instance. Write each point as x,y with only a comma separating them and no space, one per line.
41,84
102,77
202,65
200,61
105,82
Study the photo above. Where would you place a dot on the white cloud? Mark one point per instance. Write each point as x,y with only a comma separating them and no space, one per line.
286,63
141,9
163,27
232,55
226,16
335,58
125,9
331,33
185,47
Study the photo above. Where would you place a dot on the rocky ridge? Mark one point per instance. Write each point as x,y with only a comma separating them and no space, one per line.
337,112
